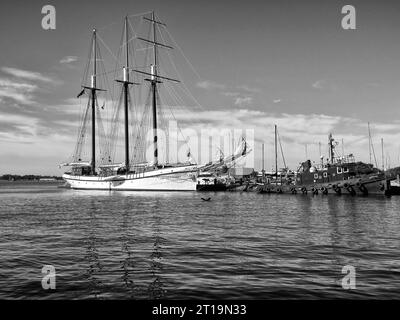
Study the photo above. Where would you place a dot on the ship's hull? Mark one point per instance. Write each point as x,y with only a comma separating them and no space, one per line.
353,187
168,179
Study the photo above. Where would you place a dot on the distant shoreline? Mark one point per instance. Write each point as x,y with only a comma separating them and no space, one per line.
16,182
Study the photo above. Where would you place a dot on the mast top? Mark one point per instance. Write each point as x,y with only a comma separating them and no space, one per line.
153,19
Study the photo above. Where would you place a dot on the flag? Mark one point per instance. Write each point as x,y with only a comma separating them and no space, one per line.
81,93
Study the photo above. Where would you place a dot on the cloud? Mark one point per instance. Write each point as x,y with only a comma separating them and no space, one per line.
248,89
17,91
324,84
230,94
243,101
295,130
68,59
319,84
210,85
17,127
25,74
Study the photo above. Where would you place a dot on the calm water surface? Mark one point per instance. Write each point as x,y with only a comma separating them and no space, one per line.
147,245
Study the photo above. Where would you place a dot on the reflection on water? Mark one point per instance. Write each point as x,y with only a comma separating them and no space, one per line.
145,245
155,289
92,256
128,261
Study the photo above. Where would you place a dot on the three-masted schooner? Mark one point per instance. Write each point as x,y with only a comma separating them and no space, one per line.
131,175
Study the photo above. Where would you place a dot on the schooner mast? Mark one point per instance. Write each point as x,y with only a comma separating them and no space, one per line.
93,98
125,82
155,77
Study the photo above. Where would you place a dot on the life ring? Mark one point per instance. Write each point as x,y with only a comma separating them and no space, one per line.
351,190
338,190
363,189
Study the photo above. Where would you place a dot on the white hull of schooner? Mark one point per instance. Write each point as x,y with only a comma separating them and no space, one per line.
166,179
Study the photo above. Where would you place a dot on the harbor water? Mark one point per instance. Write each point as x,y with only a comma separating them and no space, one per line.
174,245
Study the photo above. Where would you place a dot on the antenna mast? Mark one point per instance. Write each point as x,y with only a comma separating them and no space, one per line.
331,148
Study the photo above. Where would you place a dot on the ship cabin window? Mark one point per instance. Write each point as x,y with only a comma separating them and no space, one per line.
325,174
345,170
315,175
339,170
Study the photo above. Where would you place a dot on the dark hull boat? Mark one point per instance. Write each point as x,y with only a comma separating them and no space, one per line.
339,175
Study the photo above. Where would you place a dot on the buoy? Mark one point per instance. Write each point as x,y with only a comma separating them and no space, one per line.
208,199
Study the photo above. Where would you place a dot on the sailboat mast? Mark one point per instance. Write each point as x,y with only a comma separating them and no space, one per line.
154,90
126,93
263,170
369,144
383,157
93,93
276,156
342,148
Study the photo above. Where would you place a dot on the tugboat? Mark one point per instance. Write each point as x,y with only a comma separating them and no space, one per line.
341,175
338,175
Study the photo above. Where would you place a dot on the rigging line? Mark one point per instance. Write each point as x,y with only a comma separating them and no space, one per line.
185,138
184,56
117,22
138,14
134,33
107,72
372,147
107,47
188,92
80,134
280,145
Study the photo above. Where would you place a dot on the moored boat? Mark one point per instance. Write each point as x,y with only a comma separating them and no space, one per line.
339,175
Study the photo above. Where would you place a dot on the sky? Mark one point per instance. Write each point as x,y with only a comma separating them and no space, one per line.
253,64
